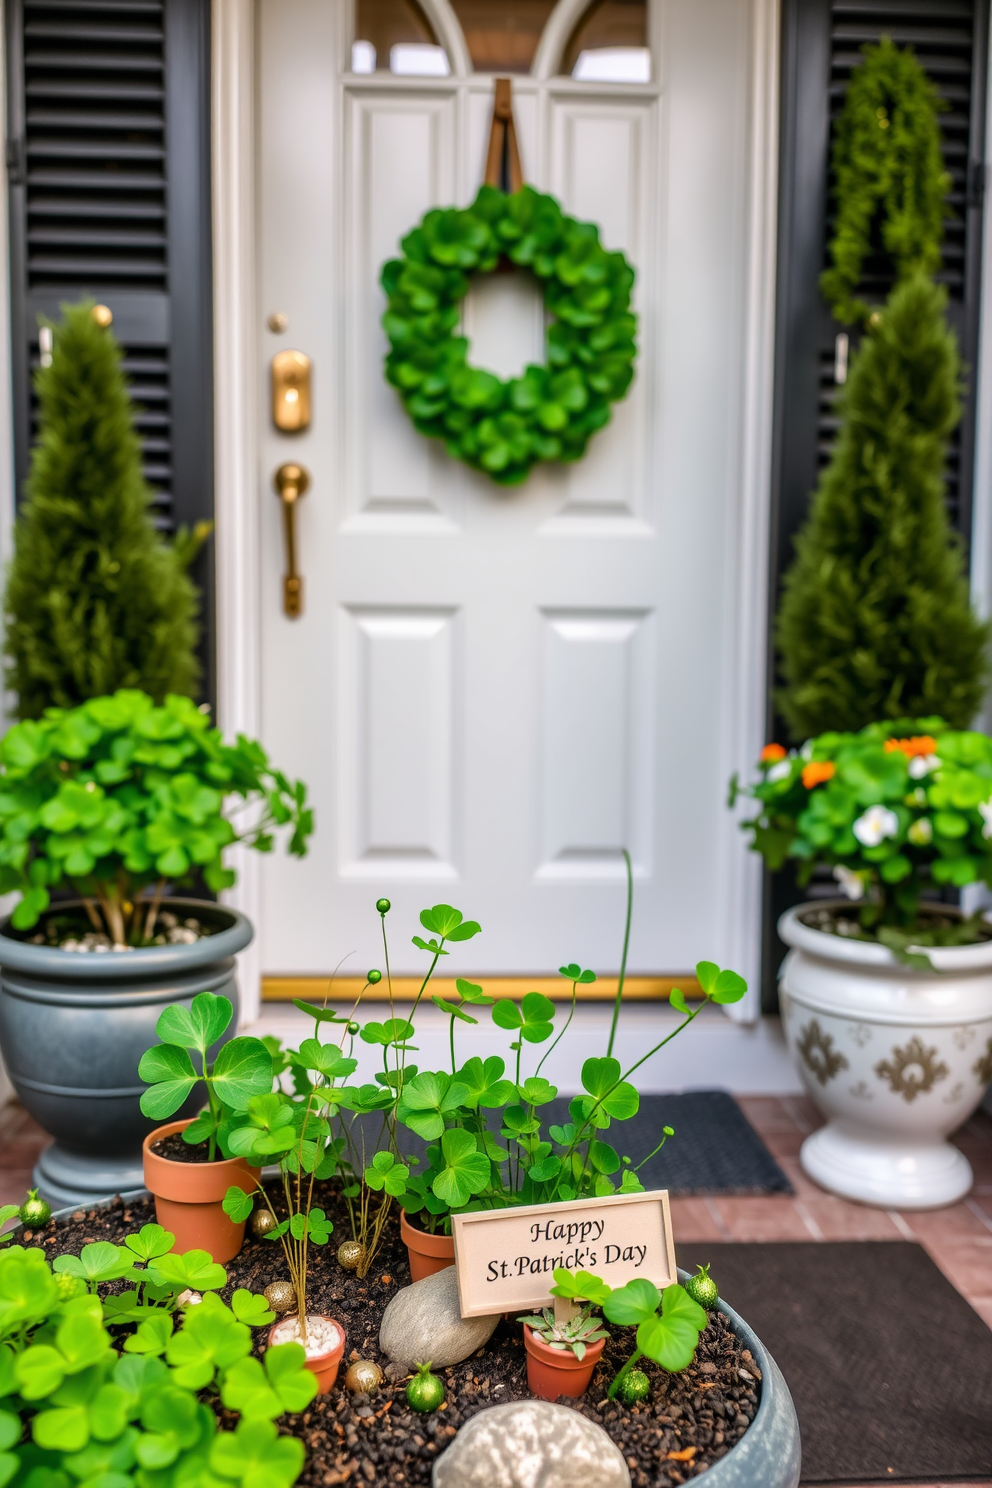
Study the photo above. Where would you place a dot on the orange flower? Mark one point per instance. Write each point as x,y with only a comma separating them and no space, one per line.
920,744
817,771
772,752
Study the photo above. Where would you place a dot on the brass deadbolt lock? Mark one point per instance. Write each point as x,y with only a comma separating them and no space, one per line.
291,391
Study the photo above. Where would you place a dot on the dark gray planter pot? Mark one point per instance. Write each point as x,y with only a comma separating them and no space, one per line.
769,1455
72,1030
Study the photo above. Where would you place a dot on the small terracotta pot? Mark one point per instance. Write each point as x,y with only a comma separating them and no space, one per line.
323,1366
553,1372
428,1253
189,1196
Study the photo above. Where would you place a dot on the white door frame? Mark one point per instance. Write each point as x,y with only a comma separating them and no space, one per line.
240,481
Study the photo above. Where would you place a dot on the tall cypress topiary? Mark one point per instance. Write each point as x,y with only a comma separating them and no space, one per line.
95,599
875,620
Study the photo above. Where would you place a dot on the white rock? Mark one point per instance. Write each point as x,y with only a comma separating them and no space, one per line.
423,1322
531,1444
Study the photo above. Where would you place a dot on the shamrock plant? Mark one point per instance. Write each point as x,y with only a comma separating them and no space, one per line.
119,798
241,1071
891,811
487,1145
668,1323
84,1400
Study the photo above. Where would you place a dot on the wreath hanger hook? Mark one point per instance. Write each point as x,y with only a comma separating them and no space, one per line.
503,168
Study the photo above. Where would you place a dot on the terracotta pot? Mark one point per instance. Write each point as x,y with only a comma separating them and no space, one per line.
189,1196
553,1372
428,1253
324,1366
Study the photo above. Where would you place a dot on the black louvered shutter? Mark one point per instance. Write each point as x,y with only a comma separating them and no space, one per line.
108,169
821,43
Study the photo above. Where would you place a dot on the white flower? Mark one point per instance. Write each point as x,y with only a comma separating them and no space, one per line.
852,884
877,823
806,752
922,764
781,771
921,831
985,807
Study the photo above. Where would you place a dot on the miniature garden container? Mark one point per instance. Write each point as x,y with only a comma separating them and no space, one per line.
428,1253
189,1196
552,1372
324,1366
895,1058
73,1027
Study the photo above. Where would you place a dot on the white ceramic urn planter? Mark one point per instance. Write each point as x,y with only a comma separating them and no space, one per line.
895,1058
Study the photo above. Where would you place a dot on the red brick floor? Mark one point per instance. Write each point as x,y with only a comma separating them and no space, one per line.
958,1239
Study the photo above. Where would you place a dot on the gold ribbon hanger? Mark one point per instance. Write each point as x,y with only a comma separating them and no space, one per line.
503,168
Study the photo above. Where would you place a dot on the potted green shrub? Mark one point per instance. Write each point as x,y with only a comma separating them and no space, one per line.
886,994
119,801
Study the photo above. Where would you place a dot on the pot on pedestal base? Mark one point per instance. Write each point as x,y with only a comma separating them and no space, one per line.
894,1057
73,1026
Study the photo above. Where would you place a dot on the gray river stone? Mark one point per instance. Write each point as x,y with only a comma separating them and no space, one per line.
531,1444
423,1322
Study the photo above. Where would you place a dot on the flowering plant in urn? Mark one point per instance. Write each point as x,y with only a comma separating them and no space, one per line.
892,810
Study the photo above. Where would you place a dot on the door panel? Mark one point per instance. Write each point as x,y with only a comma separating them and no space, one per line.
491,692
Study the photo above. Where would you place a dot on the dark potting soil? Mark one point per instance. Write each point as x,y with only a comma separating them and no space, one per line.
689,1421
176,1150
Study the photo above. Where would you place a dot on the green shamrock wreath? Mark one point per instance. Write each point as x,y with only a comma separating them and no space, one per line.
550,412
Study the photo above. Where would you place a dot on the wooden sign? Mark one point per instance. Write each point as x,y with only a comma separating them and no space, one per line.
506,1257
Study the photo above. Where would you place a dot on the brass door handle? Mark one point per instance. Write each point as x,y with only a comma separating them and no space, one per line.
291,482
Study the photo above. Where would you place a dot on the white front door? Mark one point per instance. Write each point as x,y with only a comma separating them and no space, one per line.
491,692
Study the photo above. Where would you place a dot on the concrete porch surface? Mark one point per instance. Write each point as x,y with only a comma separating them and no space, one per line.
958,1239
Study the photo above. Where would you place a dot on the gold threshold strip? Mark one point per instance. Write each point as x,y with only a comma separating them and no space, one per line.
345,990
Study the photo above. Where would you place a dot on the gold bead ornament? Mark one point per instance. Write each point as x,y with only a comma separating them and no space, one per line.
280,1296
103,315
364,1377
351,1253
262,1222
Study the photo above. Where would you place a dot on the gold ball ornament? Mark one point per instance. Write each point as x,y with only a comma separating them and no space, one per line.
363,1377
351,1253
103,315
262,1222
280,1296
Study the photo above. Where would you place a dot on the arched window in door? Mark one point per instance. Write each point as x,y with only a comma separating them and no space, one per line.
396,36
502,35
610,44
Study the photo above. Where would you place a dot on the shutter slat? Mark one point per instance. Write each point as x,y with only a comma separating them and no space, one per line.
942,38
95,180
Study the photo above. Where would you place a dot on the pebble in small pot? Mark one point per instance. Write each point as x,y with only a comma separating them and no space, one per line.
527,1442
323,1341
363,1377
280,1296
424,1321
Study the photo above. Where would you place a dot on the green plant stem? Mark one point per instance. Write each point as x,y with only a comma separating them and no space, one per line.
623,959
650,1155
451,1041
571,1012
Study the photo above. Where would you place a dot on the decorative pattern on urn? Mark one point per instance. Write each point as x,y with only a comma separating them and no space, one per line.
816,1049
982,1067
912,1070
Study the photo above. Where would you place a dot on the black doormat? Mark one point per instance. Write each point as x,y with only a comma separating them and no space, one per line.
889,1367
715,1149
